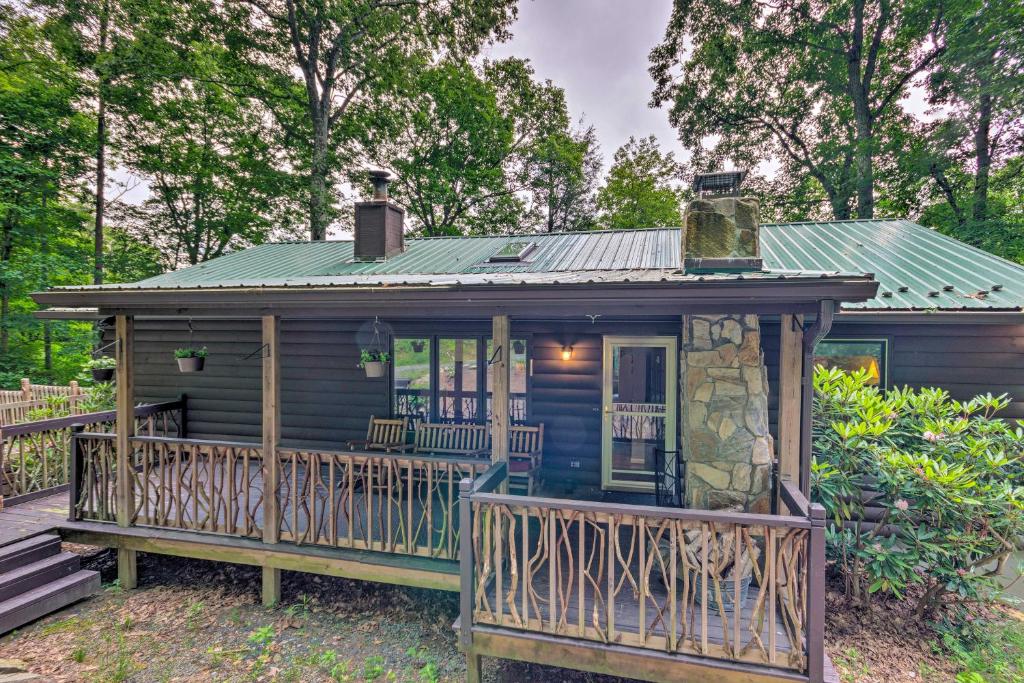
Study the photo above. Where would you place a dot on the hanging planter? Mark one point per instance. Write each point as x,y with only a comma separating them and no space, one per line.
418,345
190,359
102,368
519,347
374,363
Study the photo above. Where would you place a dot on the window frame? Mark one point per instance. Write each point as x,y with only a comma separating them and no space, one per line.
884,376
433,339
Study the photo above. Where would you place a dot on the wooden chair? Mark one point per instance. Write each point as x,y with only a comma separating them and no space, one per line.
525,455
465,440
384,434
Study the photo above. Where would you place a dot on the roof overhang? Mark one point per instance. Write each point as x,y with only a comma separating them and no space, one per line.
780,294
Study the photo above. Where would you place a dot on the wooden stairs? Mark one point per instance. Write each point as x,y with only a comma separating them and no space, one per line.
37,578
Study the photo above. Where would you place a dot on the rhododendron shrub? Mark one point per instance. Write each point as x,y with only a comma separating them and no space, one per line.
920,488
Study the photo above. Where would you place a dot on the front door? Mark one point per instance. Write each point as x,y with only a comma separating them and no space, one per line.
639,409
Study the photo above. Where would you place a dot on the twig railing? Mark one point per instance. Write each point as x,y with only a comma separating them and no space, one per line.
654,578
35,456
393,503
390,503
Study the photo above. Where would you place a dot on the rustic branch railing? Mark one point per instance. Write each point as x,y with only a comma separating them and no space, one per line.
647,577
391,503
35,456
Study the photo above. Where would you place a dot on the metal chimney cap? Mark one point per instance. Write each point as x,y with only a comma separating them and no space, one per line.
380,180
721,183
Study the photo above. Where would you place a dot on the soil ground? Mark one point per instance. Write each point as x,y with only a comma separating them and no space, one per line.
191,620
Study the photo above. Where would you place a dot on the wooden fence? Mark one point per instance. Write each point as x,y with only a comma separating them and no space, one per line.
17,405
35,456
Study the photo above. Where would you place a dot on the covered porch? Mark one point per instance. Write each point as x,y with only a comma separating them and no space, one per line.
651,388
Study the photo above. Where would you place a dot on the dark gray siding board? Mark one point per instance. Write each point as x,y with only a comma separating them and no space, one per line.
327,399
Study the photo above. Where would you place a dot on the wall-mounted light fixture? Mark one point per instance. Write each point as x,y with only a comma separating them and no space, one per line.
566,353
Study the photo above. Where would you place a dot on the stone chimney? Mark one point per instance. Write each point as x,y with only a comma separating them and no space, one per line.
380,224
720,229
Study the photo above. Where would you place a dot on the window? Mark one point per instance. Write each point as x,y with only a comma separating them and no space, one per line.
412,377
856,354
448,379
513,251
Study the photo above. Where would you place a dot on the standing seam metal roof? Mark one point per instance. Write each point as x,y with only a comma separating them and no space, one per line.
937,272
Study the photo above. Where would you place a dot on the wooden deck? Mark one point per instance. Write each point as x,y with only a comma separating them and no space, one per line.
34,517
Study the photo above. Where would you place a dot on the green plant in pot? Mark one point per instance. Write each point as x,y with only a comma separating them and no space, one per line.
190,359
102,368
374,362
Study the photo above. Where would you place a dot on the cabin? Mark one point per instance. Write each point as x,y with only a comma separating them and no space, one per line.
601,440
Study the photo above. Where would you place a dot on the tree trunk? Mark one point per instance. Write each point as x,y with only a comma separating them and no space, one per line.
6,248
319,201
864,157
982,156
101,149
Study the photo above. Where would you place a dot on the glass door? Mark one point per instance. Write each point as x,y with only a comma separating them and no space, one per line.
639,409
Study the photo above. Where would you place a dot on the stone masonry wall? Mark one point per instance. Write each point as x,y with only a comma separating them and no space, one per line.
724,405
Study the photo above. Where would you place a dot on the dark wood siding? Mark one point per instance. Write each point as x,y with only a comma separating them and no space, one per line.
326,398
964,359
224,399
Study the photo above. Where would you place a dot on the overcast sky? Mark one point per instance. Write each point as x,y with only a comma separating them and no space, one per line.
597,51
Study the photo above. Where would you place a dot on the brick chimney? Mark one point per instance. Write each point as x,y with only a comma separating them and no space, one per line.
380,224
720,228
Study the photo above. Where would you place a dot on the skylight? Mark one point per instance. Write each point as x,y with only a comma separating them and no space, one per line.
512,251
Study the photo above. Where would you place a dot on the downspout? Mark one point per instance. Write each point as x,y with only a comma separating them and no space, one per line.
812,335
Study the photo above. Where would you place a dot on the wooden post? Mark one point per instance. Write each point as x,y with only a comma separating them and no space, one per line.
474,668
183,416
76,469
790,370
466,565
127,569
271,427
816,597
499,389
26,389
271,586
125,425
501,339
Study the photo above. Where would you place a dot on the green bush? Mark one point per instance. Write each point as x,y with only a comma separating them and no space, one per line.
946,475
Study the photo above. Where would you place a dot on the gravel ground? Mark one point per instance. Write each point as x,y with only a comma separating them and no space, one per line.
191,620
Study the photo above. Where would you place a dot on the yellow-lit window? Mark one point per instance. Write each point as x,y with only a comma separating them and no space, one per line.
856,354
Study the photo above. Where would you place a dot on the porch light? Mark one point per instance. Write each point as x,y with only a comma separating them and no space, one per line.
566,353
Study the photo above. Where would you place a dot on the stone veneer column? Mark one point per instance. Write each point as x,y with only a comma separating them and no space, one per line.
723,392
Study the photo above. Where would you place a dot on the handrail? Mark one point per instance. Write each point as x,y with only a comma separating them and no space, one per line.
144,410
381,454
794,498
621,509
491,479
197,442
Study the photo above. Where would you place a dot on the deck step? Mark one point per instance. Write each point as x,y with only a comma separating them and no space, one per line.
30,550
48,598
35,574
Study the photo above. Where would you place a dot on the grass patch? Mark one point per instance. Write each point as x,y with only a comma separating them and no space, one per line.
987,651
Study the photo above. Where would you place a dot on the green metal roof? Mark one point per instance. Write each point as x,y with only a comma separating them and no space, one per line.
917,268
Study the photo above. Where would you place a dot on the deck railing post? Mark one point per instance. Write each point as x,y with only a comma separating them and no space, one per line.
816,596
183,416
465,564
76,468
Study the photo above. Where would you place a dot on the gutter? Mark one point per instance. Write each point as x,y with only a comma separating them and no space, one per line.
812,335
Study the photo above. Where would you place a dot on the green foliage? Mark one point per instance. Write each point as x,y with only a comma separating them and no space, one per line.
988,650
100,396
373,356
947,476
190,352
639,191
101,363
